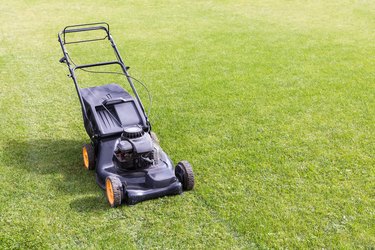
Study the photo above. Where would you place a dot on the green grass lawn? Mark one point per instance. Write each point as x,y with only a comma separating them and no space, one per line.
273,103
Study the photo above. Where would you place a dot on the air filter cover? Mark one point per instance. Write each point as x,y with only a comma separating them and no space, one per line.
132,132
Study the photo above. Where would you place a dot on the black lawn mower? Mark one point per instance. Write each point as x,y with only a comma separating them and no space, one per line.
129,163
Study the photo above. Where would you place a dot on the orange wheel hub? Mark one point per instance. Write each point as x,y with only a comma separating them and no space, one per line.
109,191
85,155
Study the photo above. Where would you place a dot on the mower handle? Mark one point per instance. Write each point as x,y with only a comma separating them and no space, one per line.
65,59
82,28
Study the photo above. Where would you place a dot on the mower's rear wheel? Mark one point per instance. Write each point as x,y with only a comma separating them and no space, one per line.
184,173
88,154
113,189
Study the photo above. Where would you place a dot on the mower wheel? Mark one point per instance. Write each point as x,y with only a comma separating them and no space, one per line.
113,189
88,154
184,173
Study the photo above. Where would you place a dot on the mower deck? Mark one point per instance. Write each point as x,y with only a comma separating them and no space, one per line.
153,182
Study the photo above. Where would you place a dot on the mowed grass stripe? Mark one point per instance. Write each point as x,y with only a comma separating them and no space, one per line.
335,134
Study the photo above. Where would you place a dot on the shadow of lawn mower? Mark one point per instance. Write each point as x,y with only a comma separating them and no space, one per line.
130,165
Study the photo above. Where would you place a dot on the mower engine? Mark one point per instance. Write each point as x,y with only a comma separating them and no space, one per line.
135,149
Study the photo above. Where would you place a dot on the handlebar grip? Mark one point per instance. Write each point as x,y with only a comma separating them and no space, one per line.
100,25
86,29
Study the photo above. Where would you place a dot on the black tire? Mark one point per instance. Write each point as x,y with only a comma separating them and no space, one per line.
184,173
88,154
113,188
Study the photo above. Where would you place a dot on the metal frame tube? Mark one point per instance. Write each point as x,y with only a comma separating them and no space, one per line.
90,27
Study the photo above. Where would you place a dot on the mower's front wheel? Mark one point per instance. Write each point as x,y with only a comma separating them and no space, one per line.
113,189
184,173
88,154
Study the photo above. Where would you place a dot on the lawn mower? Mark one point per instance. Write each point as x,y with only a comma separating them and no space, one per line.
125,153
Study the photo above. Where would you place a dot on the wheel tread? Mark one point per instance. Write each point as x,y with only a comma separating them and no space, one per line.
117,190
188,180
91,154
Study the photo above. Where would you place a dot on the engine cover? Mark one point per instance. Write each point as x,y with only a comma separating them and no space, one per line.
132,153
